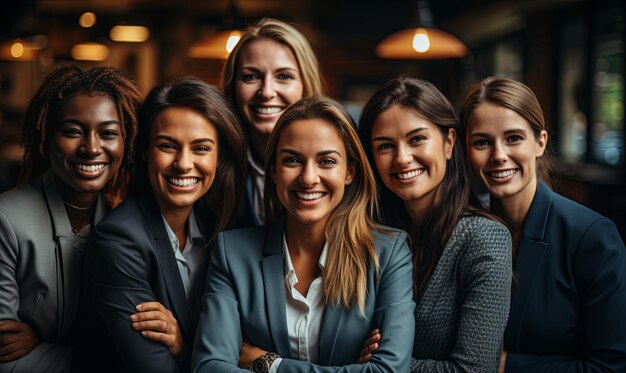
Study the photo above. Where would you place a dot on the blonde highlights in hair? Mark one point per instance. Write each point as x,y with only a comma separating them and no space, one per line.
285,34
349,231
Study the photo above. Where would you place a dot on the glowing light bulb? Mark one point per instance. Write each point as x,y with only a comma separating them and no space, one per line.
421,42
233,39
87,19
17,50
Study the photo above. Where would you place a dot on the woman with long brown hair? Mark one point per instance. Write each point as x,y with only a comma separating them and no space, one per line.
461,257
568,307
302,293
146,262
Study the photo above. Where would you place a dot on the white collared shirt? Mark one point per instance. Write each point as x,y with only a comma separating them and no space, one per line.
258,188
191,259
304,314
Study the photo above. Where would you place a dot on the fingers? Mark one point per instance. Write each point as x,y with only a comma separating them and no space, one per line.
150,306
11,326
14,355
160,326
165,339
150,315
369,347
10,348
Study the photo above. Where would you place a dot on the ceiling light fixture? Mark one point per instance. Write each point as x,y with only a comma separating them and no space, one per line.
219,44
421,41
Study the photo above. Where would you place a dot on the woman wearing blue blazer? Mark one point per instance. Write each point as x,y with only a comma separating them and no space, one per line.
302,294
145,264
568,306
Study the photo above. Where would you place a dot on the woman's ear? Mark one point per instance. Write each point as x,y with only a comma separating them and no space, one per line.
449,143
542,142
350,174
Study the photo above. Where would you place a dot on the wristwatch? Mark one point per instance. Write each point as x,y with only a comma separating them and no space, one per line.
263,363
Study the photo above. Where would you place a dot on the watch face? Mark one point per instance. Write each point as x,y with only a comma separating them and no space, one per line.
258,366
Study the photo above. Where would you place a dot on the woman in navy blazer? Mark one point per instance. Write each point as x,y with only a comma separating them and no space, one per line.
568,307
145,264
302,293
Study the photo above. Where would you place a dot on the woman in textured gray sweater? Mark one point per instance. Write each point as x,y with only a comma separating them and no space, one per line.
461,256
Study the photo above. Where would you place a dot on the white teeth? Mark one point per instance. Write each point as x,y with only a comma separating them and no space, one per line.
309,196
90,167
183,182
410,174
502,174
267,109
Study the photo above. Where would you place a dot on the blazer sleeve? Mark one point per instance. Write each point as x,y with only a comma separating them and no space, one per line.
9,253
486,273
220,314
393,316
600,276
116,268
48,357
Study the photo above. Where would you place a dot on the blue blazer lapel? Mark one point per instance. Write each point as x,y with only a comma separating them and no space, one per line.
530,255
331,327
167,260
272,266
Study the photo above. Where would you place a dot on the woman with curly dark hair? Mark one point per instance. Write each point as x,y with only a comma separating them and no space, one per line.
79,131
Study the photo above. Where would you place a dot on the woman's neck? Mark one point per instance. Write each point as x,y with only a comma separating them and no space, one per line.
258,145
177,220
515,208
418,210
307,239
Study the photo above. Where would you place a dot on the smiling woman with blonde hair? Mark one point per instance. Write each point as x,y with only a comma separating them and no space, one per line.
271,67
302,293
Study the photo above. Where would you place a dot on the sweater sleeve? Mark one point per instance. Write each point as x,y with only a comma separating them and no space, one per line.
485,270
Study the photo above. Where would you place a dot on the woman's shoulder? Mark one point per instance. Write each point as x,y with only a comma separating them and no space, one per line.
480,236
481,225
25,197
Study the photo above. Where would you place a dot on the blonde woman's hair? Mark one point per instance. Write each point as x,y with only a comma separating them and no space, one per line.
349,231
285,34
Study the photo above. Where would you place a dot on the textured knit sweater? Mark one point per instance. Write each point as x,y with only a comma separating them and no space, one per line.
461,315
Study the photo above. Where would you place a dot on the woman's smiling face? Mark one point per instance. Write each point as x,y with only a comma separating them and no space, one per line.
87,147
182,157
503,151
311,170
410,154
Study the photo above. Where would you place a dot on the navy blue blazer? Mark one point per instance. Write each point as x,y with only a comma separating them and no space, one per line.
568,312
129,260
245,298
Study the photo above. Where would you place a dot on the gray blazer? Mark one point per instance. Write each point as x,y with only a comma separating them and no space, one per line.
245,298
461,316
40,271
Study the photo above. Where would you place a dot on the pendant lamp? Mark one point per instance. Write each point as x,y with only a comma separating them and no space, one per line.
422,40
219,44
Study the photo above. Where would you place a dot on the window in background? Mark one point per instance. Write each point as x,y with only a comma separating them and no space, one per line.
572,92
607,134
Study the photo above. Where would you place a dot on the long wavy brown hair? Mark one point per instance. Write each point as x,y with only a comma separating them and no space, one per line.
453,199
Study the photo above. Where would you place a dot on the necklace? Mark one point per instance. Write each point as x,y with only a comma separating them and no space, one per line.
76,207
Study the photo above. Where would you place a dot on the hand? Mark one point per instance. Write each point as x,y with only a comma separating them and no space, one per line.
502,362
369,347
158,324
248,354
17,339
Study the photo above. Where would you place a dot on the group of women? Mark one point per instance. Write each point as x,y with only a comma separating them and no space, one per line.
312,281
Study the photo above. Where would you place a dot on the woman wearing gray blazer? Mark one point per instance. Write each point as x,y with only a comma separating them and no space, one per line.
301,294
77,133
461,257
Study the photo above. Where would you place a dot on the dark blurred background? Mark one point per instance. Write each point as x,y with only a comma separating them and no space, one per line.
570,52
